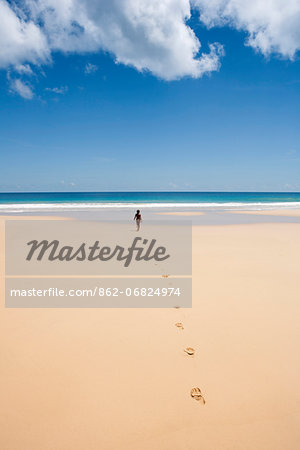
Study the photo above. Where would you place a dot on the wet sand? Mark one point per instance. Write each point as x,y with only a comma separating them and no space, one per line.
275,212
181,213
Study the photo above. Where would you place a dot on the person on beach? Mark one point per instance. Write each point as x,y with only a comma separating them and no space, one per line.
138,219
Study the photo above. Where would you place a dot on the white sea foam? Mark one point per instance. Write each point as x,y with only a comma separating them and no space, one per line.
46,207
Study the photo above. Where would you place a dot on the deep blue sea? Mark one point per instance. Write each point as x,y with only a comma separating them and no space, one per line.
46,201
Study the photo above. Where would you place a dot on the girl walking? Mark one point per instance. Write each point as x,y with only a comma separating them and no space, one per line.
138,219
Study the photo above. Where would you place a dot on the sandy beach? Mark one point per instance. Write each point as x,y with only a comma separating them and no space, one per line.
273,212
159,309
181,213
120,379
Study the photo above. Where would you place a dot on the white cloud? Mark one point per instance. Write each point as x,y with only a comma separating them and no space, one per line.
21,88
148,35
90,68
151,36
24,69
58,90
20,40
273,26
67,183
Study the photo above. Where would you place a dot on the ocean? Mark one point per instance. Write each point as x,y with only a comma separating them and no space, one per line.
54,201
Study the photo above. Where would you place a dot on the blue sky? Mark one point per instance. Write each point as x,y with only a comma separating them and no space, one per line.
93,125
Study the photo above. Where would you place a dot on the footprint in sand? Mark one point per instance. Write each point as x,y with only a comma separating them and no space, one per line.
179,325
197,395
189,351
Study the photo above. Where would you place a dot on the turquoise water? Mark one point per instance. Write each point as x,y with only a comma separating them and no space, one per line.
200,200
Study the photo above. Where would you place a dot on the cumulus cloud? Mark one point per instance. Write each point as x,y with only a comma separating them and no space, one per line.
152,36
147,35
21,40
21,88
273,26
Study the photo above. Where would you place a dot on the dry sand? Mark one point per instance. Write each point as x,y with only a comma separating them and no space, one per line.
120,379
